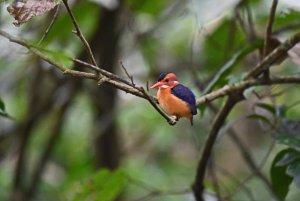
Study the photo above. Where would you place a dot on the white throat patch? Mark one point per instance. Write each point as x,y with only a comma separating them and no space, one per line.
164,86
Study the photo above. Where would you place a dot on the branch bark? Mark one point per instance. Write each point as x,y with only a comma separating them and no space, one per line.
266,63
268,33
229,90
79,33
198,186
267,42
119,83
274,56
246,154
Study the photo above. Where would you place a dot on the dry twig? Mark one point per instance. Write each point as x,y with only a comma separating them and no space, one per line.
79,33
54,17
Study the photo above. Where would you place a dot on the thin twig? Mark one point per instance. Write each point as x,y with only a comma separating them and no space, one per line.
274,56
126,86
54,17
240,21
79,33
243,85
251,35
247,28
267,41
102,71
152,101
128,75
268,33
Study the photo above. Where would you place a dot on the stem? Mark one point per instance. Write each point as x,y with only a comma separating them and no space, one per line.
198,186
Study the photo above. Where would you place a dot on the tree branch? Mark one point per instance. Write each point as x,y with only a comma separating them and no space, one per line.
110,78
245,153
268,33
198,186
243,85
79,33
265,64
128,87
267,41
274,56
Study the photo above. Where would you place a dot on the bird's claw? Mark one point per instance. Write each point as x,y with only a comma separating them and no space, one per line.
173,120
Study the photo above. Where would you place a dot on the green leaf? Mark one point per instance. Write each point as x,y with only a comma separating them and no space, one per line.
3,113
216,51
288,158
268,107
88,188
2,106
262,118
112,188
57,56
61,31
287,132
285,169
225,70
105,185
283,19
288,140
280,180
294,171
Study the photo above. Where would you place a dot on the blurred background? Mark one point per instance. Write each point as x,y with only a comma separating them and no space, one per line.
65,138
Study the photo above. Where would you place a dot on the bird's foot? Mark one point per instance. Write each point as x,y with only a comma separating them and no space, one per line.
173,120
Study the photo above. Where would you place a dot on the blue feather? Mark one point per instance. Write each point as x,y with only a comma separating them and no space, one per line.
162,76
186,95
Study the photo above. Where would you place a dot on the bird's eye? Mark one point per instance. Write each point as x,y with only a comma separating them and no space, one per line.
167,80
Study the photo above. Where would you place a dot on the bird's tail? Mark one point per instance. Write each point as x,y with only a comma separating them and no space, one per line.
191,120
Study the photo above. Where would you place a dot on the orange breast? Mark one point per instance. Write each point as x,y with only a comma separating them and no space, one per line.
173,105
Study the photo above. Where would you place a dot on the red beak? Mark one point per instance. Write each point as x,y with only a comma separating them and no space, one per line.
156,85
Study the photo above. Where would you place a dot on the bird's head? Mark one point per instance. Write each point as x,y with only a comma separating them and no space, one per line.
165,80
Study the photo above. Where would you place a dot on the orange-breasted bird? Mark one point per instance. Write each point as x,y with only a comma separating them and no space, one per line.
174,98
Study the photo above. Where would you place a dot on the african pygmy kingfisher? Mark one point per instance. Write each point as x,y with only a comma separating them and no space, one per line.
174,98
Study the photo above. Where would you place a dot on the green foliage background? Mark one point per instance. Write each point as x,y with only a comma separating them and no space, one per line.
160,35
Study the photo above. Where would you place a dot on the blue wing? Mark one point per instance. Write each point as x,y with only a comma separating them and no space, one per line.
186,95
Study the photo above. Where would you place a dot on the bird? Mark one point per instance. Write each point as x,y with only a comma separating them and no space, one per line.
174,98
